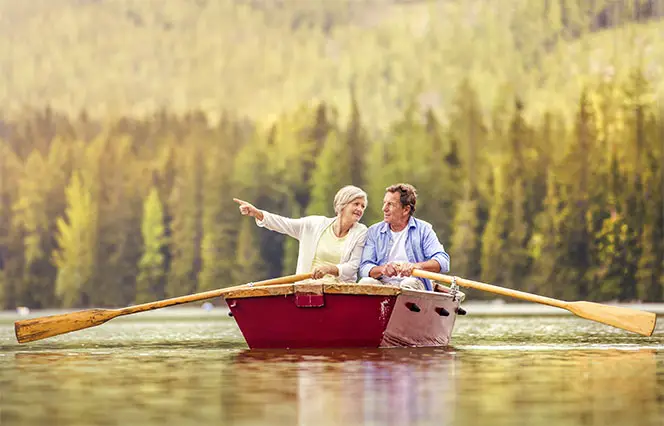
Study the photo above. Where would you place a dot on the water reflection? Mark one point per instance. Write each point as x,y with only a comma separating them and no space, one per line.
178,381
391,386
581,387
402,387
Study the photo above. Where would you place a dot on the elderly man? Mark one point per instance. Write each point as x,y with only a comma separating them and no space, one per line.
401,243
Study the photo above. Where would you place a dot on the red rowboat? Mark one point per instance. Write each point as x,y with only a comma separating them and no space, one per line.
317,314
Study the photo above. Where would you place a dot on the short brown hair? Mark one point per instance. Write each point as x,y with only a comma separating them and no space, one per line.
407,195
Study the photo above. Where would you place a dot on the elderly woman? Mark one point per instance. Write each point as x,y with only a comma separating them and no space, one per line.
328,245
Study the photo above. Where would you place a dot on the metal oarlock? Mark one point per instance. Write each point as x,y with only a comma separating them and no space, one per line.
455,289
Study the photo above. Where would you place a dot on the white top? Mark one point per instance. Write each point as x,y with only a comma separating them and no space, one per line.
397,253
308,231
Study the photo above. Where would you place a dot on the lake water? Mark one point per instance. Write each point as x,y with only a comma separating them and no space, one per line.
190,367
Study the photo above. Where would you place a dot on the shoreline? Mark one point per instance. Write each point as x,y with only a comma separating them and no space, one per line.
473,308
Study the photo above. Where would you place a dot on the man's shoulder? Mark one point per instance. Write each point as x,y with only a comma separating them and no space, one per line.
424,228
423,223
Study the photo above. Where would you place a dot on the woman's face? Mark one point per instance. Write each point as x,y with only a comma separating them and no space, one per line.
354,210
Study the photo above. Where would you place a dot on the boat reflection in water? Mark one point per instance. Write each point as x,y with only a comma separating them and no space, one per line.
383,386
434,386
189,384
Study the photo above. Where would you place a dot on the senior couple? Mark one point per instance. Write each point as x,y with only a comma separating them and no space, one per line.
340,246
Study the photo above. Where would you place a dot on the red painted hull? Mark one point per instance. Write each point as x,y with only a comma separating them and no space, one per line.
345,321
333,320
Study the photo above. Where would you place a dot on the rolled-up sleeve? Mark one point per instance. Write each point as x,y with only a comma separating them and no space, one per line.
433,249
369,255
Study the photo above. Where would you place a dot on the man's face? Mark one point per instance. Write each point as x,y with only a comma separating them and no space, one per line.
393,212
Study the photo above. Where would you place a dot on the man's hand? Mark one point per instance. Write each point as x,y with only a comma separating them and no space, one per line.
405,269
390,270
386,270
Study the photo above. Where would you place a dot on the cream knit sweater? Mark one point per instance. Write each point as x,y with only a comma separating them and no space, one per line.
308,230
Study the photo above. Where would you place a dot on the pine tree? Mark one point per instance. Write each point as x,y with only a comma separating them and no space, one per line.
494,259
545,245
220,221
355,146
119,237
443,179
258,179
151,274
329,176
469,130
184,205
11,249
464,247
578,173
249,265
76,239
519,192
31,216
650,243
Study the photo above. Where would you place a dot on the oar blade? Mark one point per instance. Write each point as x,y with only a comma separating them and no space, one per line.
33,329
633,320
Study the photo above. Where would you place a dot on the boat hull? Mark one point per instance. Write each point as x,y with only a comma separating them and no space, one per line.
420,319
316,315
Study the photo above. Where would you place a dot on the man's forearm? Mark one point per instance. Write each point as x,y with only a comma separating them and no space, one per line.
430,265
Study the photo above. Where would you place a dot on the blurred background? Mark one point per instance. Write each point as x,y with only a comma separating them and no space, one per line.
533,131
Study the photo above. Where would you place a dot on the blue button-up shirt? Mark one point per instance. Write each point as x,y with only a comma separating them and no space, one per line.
421,245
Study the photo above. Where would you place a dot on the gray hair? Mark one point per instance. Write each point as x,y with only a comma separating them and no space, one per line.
347,194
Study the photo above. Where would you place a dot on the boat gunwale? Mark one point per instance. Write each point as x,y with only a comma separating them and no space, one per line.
313,287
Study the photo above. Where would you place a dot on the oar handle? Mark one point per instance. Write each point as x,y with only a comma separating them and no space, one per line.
210,294
491,288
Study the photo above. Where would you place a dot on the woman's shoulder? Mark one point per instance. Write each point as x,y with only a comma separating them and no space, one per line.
317,219
359,228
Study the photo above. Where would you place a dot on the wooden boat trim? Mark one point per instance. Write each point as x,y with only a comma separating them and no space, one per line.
368,289
329,288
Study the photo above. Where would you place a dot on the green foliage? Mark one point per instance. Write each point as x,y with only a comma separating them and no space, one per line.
11,245
132,57
150,280
219,222
249,266
31,216
331,173
559,192
495,260
464,249
545,247
291,249
184,207
76,239
508,208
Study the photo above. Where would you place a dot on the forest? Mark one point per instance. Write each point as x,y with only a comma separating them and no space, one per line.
552,189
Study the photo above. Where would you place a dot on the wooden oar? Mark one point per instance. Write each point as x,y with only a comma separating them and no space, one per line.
633,320
40,328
